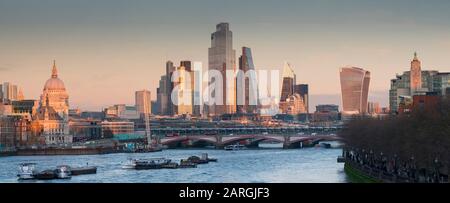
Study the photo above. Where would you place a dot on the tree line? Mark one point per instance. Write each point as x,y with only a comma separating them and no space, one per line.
422,135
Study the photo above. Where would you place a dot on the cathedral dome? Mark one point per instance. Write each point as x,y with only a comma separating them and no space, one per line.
54,83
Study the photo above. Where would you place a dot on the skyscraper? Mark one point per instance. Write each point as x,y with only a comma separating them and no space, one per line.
143,102
416,75
247,95
186,64
1,93
289,77
170,68
302,90
8,92
162,97
355,90
222,57
183,91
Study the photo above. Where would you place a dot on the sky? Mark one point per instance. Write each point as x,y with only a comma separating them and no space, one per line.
107,49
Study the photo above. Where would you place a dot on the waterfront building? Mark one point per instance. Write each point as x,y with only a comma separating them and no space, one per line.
403,85
27,108
112,128
354,89
326,113
143,102
53,112
222,57
122,111
418,102
247,90
7,134
85,129
94,115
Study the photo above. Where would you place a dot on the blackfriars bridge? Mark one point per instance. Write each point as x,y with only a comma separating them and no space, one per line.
244,130
291,137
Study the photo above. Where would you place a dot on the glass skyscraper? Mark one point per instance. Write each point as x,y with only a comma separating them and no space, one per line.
355,90
247,89
222,57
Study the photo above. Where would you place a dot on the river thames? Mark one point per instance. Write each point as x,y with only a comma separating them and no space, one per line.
307,165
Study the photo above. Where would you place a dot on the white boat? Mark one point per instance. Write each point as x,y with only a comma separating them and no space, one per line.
27,171
63,172
145,163
234,147
129,164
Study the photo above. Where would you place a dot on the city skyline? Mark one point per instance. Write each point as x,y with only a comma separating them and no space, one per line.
104,56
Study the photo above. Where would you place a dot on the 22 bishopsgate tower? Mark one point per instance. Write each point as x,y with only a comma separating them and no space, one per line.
221,58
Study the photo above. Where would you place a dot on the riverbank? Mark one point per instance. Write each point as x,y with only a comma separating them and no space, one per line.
358,176
65,151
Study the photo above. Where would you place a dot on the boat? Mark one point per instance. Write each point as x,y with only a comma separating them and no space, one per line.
234,147
155,163
46,175
171,165
27,171
186,164
130,164
63,172
197,160
83,170
205,157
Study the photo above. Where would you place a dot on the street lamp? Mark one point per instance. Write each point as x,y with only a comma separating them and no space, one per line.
436,166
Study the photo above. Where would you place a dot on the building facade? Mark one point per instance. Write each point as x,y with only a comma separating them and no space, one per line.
183,92
354,90
405,86
8,92
112,128
415,75
143,102
222,57
53,112
326,113
293,105
122,111
288,83
247,84
302,90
